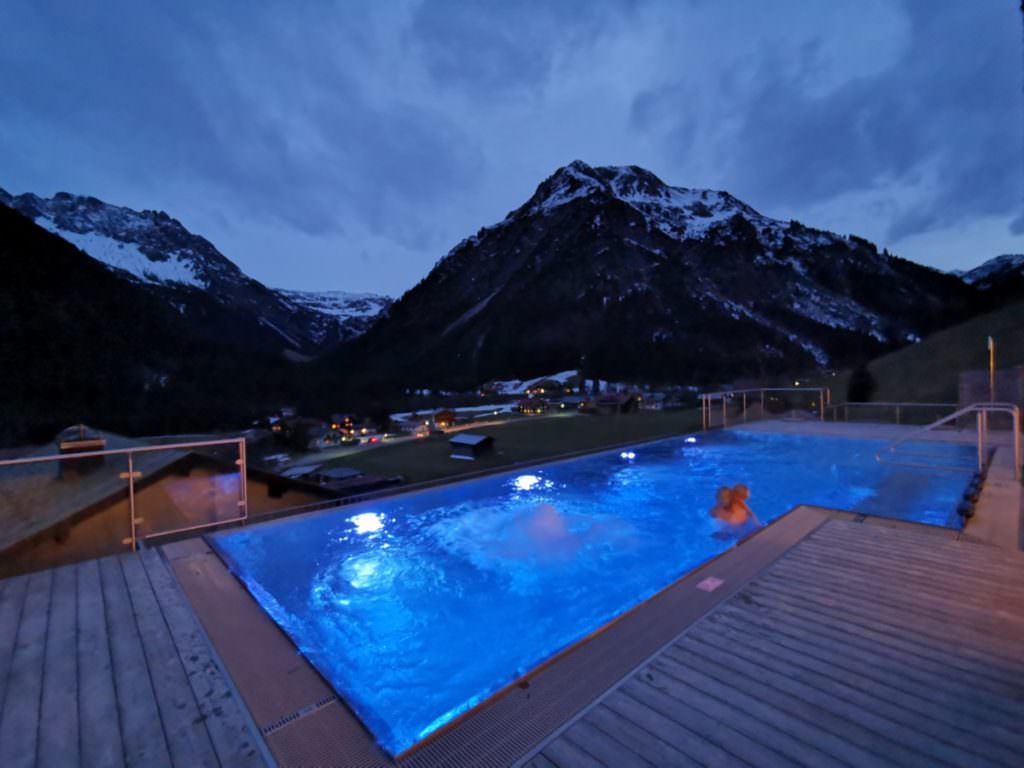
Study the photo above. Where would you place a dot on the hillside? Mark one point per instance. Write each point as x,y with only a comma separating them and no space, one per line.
186,272
928,371
81,343
615,272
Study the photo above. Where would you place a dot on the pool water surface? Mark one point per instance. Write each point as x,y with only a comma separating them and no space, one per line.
420,606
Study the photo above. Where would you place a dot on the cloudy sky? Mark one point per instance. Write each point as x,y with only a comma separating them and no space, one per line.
350,145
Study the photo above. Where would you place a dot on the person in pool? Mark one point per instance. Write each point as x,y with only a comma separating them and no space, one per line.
731,508
741,513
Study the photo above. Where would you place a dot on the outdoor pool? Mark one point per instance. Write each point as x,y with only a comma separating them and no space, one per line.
420,606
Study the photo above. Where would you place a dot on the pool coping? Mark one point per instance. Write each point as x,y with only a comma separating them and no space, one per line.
494,731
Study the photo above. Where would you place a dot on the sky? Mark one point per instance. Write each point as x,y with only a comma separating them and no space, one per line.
351,145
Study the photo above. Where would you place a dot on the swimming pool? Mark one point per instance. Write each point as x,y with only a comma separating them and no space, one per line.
418,607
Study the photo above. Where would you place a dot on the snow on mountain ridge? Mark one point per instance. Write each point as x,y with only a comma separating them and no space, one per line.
351,313
980,275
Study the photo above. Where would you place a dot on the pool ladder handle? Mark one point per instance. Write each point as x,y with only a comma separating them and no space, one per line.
982,410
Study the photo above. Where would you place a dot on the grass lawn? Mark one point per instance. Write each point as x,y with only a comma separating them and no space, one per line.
523,440
928,371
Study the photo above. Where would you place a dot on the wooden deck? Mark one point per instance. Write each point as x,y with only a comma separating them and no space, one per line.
103,664
866,644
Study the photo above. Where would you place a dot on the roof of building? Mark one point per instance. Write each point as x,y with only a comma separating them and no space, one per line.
470,440
35,497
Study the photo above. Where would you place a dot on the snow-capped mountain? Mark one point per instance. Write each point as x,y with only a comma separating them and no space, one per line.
992,271
613,270
341,312
187,271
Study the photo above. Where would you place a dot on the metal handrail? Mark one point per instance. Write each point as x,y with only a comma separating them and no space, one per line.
130,476
982,410
824,399
899,406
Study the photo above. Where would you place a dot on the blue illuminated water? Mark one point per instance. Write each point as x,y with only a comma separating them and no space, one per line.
418,607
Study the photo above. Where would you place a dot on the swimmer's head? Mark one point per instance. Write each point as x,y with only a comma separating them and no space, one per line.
724,496
741,491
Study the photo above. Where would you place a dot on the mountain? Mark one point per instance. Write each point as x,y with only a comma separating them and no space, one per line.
83,344
999,280
340,314
189,274
611,270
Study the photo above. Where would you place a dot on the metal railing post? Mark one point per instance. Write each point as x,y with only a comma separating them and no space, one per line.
243,481
981,441
1016,444
131,497
725,415
744,407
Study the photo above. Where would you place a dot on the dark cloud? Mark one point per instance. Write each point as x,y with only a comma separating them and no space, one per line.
945,114
495,46
362,141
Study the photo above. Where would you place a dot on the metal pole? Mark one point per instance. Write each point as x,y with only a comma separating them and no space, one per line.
764,413
821,403
897,414
725,415
744,407
981,447
131,496
243,480
1016,443
991,369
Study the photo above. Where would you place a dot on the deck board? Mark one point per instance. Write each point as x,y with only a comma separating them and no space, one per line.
222,713
92,673
19,721
142,731
12,601
99,724
865,644
174,697
58,711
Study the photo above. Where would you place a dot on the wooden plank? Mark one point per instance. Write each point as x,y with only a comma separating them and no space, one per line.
58,715
141,728
762,724
976,559
684,727
19,721
644,743
835,696
565,754
948,586
99,724
187,738
924,629
539,761
947,577
935,620
593,740
916,540
12,601
662,727
229,730
804,615
861,745
863,686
